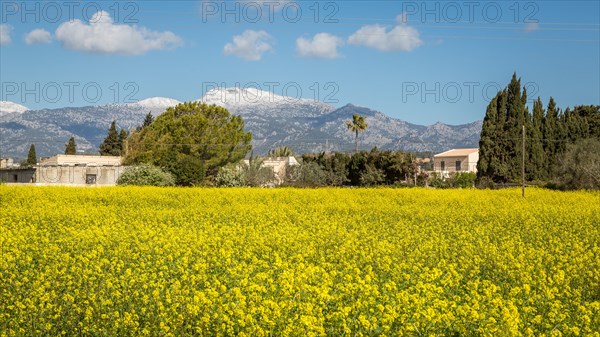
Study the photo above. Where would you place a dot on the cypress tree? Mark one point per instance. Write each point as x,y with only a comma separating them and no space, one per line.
569,125
488,142
562,133
547,135
71,147
501,137
503,142
515,119
550,133
31,156
535,148
590,115
576,124
110,145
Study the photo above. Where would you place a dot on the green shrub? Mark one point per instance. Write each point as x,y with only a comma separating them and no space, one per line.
485,183
146,175
463,179
307,174
436,180
372,176
230,176
579,167
423,179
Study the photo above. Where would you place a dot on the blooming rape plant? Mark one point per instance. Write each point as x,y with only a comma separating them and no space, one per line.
133,261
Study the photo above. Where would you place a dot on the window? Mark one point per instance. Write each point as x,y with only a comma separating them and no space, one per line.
90,179
15,178
458,165
443,165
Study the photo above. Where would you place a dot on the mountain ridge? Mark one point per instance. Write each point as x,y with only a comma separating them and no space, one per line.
7,107
304,125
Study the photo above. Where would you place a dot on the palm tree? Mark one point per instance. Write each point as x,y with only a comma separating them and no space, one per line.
282,151
356,125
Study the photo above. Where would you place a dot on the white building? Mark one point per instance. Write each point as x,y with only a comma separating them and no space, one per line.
6,163
86,170
456,160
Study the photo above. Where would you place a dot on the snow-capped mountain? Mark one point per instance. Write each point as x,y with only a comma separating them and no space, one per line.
11,107
246,101
155,103
50,129
304,125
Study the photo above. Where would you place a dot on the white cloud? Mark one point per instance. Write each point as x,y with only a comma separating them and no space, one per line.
103,36
322,45
531,26
400,38
251,45
5,30
38,36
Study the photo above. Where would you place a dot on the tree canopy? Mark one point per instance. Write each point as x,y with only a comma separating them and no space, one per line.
192,141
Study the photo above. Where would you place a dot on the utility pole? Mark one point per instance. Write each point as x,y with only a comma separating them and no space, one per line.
523,165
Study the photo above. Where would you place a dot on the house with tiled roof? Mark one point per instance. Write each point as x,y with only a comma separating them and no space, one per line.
456,160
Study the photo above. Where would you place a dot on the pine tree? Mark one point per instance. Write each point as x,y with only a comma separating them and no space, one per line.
192,141
31,156
110,145
71,147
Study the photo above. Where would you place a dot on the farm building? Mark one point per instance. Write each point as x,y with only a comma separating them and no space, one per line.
11,172
65,169
17,175
456,160
62,169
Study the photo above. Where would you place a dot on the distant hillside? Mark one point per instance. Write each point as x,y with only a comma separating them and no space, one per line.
302,124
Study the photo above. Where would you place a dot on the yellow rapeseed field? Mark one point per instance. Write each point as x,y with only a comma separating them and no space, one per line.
289,262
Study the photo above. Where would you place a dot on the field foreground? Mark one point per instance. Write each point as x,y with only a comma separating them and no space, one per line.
278,262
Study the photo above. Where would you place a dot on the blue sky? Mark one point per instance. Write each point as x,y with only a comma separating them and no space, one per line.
421,62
